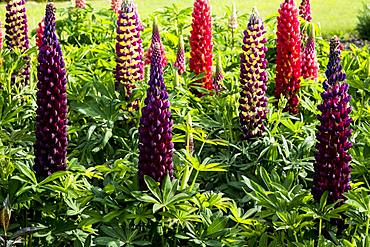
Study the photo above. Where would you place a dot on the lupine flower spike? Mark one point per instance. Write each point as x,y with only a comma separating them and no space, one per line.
1,36
180,58
81,4
219,75
156,38
288,58
201,42
129,50
233,23
332,166
116,5
253,78
305,10
310,65
51,115
40,32
155,130
16,29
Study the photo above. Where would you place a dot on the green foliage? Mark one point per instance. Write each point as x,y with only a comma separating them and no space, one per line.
363,25
226,192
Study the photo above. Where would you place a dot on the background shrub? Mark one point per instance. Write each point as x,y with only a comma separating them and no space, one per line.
363,25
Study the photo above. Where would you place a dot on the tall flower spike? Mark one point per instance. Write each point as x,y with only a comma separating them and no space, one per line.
310,65
201,42
156,38
116,5
305,10
332,166
233,20
180,58
155,130
16,29
253,78
51,115
288,58
40,32
1,36
129,49
81,4
219,75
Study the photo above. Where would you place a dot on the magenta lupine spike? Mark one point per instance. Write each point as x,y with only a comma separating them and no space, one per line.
116,5
156,38
81,4
155,130
180,63
219,75
40,32
288,55
305,10
51,115
16,32
129,49
253,79
310,65
332,165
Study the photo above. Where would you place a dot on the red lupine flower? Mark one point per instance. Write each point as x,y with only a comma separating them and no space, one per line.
51,115
116,5
310,65
332,166
180,58
305,10
155,130
81,4
253,78
156,38
288,58
40,32
129,50
201,42
16,29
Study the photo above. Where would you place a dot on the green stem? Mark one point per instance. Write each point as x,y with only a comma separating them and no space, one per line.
233,38
195,179
367,226
320,228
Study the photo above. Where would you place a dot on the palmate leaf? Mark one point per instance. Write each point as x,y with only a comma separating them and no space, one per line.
194,162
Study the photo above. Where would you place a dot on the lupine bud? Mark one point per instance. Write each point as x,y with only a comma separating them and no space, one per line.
310,65
129,49
40,32
219,75
233,20
156,38
116,5
288,58
51,115
253,78
305,10
81,4
5,214
180,58
155,130
1,36
16,29
332,166
201,42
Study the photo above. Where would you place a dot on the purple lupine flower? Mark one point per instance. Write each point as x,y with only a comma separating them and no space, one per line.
253,78
305,10
219,75
180,63
51,115
16,29
129,50
156,38
155,131
332,166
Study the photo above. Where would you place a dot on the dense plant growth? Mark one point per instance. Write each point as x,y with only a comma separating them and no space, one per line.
201,153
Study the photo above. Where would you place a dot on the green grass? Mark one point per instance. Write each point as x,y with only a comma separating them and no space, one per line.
335,16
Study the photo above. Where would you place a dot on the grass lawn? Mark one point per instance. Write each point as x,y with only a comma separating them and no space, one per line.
335,16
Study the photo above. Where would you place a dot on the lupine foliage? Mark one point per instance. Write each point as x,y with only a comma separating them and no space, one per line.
51,119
